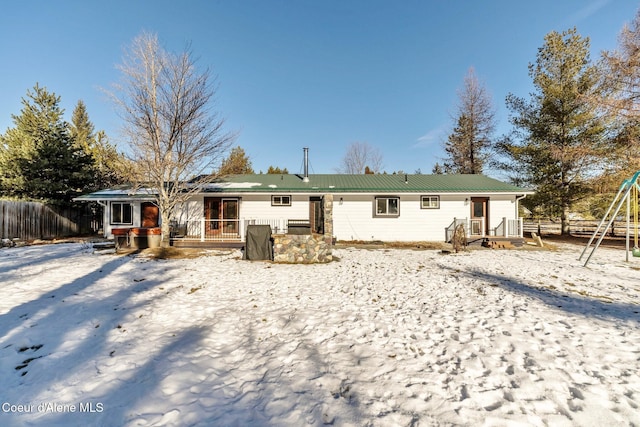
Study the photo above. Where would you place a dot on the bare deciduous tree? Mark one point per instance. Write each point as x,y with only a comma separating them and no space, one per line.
175,137
620,98
622,76
359,158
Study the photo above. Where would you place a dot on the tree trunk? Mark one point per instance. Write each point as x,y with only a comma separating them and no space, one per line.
165,226
565,229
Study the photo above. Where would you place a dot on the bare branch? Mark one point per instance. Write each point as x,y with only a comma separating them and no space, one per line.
174,133
358,157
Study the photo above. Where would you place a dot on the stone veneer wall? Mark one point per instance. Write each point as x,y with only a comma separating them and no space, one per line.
306,248
309,248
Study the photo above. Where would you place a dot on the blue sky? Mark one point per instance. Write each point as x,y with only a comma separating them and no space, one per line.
294,74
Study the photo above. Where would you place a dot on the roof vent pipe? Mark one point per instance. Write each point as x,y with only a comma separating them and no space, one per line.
306,164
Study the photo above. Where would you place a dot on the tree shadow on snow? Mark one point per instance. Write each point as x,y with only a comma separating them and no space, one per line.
585,305
67,330
52,300
211,374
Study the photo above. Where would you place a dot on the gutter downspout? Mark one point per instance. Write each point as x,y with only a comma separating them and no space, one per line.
105,205
518,198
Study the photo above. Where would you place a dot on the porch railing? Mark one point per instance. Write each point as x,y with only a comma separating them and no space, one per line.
222,230
448,231
475,227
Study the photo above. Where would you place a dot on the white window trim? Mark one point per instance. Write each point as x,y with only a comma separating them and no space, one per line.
376,214
430,199
122,204
281,202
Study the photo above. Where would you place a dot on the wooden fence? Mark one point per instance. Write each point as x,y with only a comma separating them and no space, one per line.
33,220
576,227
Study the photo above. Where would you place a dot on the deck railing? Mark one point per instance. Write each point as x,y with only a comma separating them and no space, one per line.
222,230
475,227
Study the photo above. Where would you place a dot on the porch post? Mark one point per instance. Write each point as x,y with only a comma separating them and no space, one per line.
328,218
202,231
505,228
520,227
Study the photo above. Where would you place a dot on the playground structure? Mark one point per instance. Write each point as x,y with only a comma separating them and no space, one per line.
628,192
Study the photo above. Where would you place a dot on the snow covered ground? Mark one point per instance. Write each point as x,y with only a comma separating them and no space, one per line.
386,337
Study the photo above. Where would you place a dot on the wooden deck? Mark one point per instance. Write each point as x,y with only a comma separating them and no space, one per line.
212,244
496,242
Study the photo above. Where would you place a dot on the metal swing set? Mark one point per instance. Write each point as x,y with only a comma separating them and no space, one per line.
628,192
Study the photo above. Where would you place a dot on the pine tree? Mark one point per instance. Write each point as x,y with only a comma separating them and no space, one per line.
437,169
236,164
557,144
470,142
81,128
39,159
277,171
110,167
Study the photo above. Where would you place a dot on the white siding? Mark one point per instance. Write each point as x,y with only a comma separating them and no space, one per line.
353,214
501,207
191,210
250,207
259,207
353,217
136,217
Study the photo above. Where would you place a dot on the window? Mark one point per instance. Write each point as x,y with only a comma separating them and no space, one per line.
121,213
280,200
387,207
430,202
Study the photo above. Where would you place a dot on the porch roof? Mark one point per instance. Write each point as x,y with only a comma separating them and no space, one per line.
118,193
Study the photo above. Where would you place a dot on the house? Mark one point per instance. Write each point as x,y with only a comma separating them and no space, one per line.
344,207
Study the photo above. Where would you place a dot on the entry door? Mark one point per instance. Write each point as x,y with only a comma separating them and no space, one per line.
212,213
230,216
479,215
149,214
221,214
316,214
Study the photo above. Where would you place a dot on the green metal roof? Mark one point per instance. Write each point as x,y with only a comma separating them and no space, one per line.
331,183
341,183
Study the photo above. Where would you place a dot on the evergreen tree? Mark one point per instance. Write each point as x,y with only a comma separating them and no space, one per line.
557,144
38,157
110,167
437,169
468,146
277,171
236,164
81,128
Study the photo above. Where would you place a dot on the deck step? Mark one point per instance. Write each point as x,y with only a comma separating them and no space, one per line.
503,243
104,245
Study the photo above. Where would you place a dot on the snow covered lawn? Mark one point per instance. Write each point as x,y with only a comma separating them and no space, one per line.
381,338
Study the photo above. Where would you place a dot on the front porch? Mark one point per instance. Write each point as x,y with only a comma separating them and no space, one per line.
477,231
